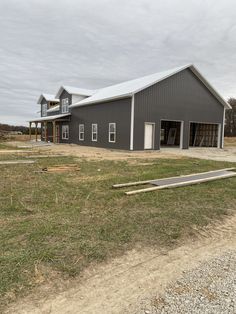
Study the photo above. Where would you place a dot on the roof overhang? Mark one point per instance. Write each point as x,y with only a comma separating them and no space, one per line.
52,99
210,87
54,108
103,100
74,91
52,118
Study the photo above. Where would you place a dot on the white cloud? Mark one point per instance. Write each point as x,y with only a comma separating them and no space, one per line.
44,43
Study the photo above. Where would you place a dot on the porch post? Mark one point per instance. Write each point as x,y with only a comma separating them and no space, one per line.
54,131
36,131
30,130
46,131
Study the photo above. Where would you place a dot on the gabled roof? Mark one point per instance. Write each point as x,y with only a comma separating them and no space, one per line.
129,88
48,97
75,91
54,108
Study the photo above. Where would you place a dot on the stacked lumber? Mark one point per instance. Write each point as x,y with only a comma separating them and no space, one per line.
61,168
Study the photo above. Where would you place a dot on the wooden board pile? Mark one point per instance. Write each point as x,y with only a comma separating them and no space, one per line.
60,168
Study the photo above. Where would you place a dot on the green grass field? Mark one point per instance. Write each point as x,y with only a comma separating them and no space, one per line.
64,221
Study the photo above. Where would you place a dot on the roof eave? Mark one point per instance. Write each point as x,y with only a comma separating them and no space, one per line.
210,87
78,104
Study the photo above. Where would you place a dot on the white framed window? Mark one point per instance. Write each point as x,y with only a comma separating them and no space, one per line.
81,132
65,105
44,110
94,132
65,132
112,132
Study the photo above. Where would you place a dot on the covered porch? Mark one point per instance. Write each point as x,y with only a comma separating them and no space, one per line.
50,127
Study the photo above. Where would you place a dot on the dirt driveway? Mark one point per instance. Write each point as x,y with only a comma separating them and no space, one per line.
226,154
121,285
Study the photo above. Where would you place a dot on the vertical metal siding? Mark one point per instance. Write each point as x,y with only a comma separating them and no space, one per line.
118,111
63,95
181,97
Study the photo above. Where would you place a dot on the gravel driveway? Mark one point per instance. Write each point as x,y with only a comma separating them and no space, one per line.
209,288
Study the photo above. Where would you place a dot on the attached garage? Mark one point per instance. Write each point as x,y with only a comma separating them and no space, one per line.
171,134
204,135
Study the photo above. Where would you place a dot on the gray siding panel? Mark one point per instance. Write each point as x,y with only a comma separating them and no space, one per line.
118,111
180,97
63,95
43,101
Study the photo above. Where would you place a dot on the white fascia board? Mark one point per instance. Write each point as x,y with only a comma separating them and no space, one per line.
58,94
210,87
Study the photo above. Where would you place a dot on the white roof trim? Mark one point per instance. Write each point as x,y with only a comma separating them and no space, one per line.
54,108
75,91
49,118
210,87
129,88
48,97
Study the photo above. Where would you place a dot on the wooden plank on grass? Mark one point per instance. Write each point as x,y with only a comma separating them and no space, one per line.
121,185
180,184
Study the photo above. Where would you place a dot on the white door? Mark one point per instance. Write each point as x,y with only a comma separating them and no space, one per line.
149,136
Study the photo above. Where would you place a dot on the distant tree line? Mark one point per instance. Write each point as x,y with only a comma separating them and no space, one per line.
20,128
9,128
230,119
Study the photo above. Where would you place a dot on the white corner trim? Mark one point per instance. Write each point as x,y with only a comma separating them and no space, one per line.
132,124
223,130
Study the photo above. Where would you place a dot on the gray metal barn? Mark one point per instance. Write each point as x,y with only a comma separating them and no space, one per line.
175,108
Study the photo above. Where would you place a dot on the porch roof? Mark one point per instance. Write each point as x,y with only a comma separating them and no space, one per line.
51,118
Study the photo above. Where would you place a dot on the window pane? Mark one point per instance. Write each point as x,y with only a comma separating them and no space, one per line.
112,137
94,128
112,127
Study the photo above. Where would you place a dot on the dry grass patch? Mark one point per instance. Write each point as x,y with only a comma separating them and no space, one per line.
62,222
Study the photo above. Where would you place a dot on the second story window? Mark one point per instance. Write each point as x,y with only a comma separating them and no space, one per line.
65,105
44,110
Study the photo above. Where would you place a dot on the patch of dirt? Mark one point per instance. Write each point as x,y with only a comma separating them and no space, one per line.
95,153
121,284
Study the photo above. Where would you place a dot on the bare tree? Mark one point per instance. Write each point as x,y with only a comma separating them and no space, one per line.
230,119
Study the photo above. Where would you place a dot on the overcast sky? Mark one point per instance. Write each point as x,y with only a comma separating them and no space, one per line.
96,43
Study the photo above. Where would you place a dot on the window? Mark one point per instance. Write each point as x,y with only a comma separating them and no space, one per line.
112,132
65,105
81,132
44,110
65,132
94,132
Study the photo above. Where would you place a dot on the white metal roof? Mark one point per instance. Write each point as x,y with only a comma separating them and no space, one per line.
75,91
49,118
48,97
54,108
129,88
